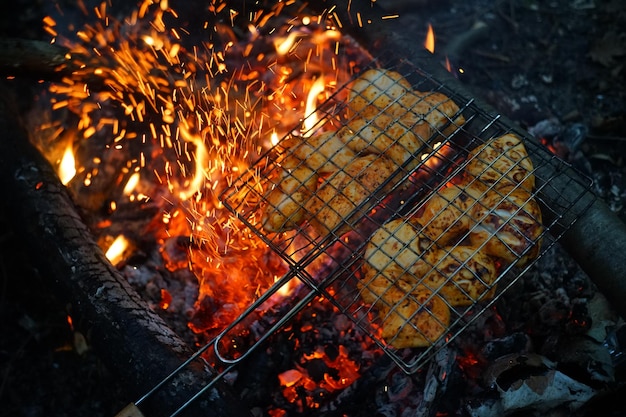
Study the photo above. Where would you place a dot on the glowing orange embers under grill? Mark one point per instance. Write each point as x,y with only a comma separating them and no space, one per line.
322,371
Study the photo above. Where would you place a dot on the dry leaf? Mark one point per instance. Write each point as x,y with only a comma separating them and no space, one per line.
611,46
80,343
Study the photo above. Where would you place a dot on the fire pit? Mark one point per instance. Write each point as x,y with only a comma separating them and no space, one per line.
328,373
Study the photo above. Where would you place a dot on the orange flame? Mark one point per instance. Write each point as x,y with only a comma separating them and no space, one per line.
448,65
429,43
185,123
131,183
115,252
284,45
201,157
310,118
67,167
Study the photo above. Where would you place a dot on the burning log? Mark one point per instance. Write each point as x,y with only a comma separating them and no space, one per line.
42,60
596,240
34,58
134,341
19,56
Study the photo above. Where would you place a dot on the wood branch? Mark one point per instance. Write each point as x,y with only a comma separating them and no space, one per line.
33,58
43,61
459,44
131,339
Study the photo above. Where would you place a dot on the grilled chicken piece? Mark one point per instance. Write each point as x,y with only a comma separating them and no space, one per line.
374,90
430,113
509,225
446,213
463,275
500,160
392,251
324,153
294,186
337,198
383,136
391,119
416,319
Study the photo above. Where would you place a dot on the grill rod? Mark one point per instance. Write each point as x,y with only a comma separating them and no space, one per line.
596,240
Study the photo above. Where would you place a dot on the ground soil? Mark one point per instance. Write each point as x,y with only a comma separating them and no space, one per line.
562,60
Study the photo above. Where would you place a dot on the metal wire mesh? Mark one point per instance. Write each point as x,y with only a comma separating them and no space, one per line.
409,207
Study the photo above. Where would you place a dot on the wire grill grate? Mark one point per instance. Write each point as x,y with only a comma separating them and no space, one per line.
419,207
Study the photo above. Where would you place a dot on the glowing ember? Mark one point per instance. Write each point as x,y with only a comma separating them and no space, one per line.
166,299
319,373
289,378
131,184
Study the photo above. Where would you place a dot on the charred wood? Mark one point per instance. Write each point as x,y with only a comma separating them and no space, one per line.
34,58
133,341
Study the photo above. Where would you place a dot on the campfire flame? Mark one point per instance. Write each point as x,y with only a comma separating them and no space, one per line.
67,166
115,253
156,119
311,119
429,42
153,119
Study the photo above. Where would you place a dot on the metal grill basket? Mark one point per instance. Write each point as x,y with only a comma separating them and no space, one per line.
407,206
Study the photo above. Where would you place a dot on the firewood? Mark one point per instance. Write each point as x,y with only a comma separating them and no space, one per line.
32,57
130,338
42,60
